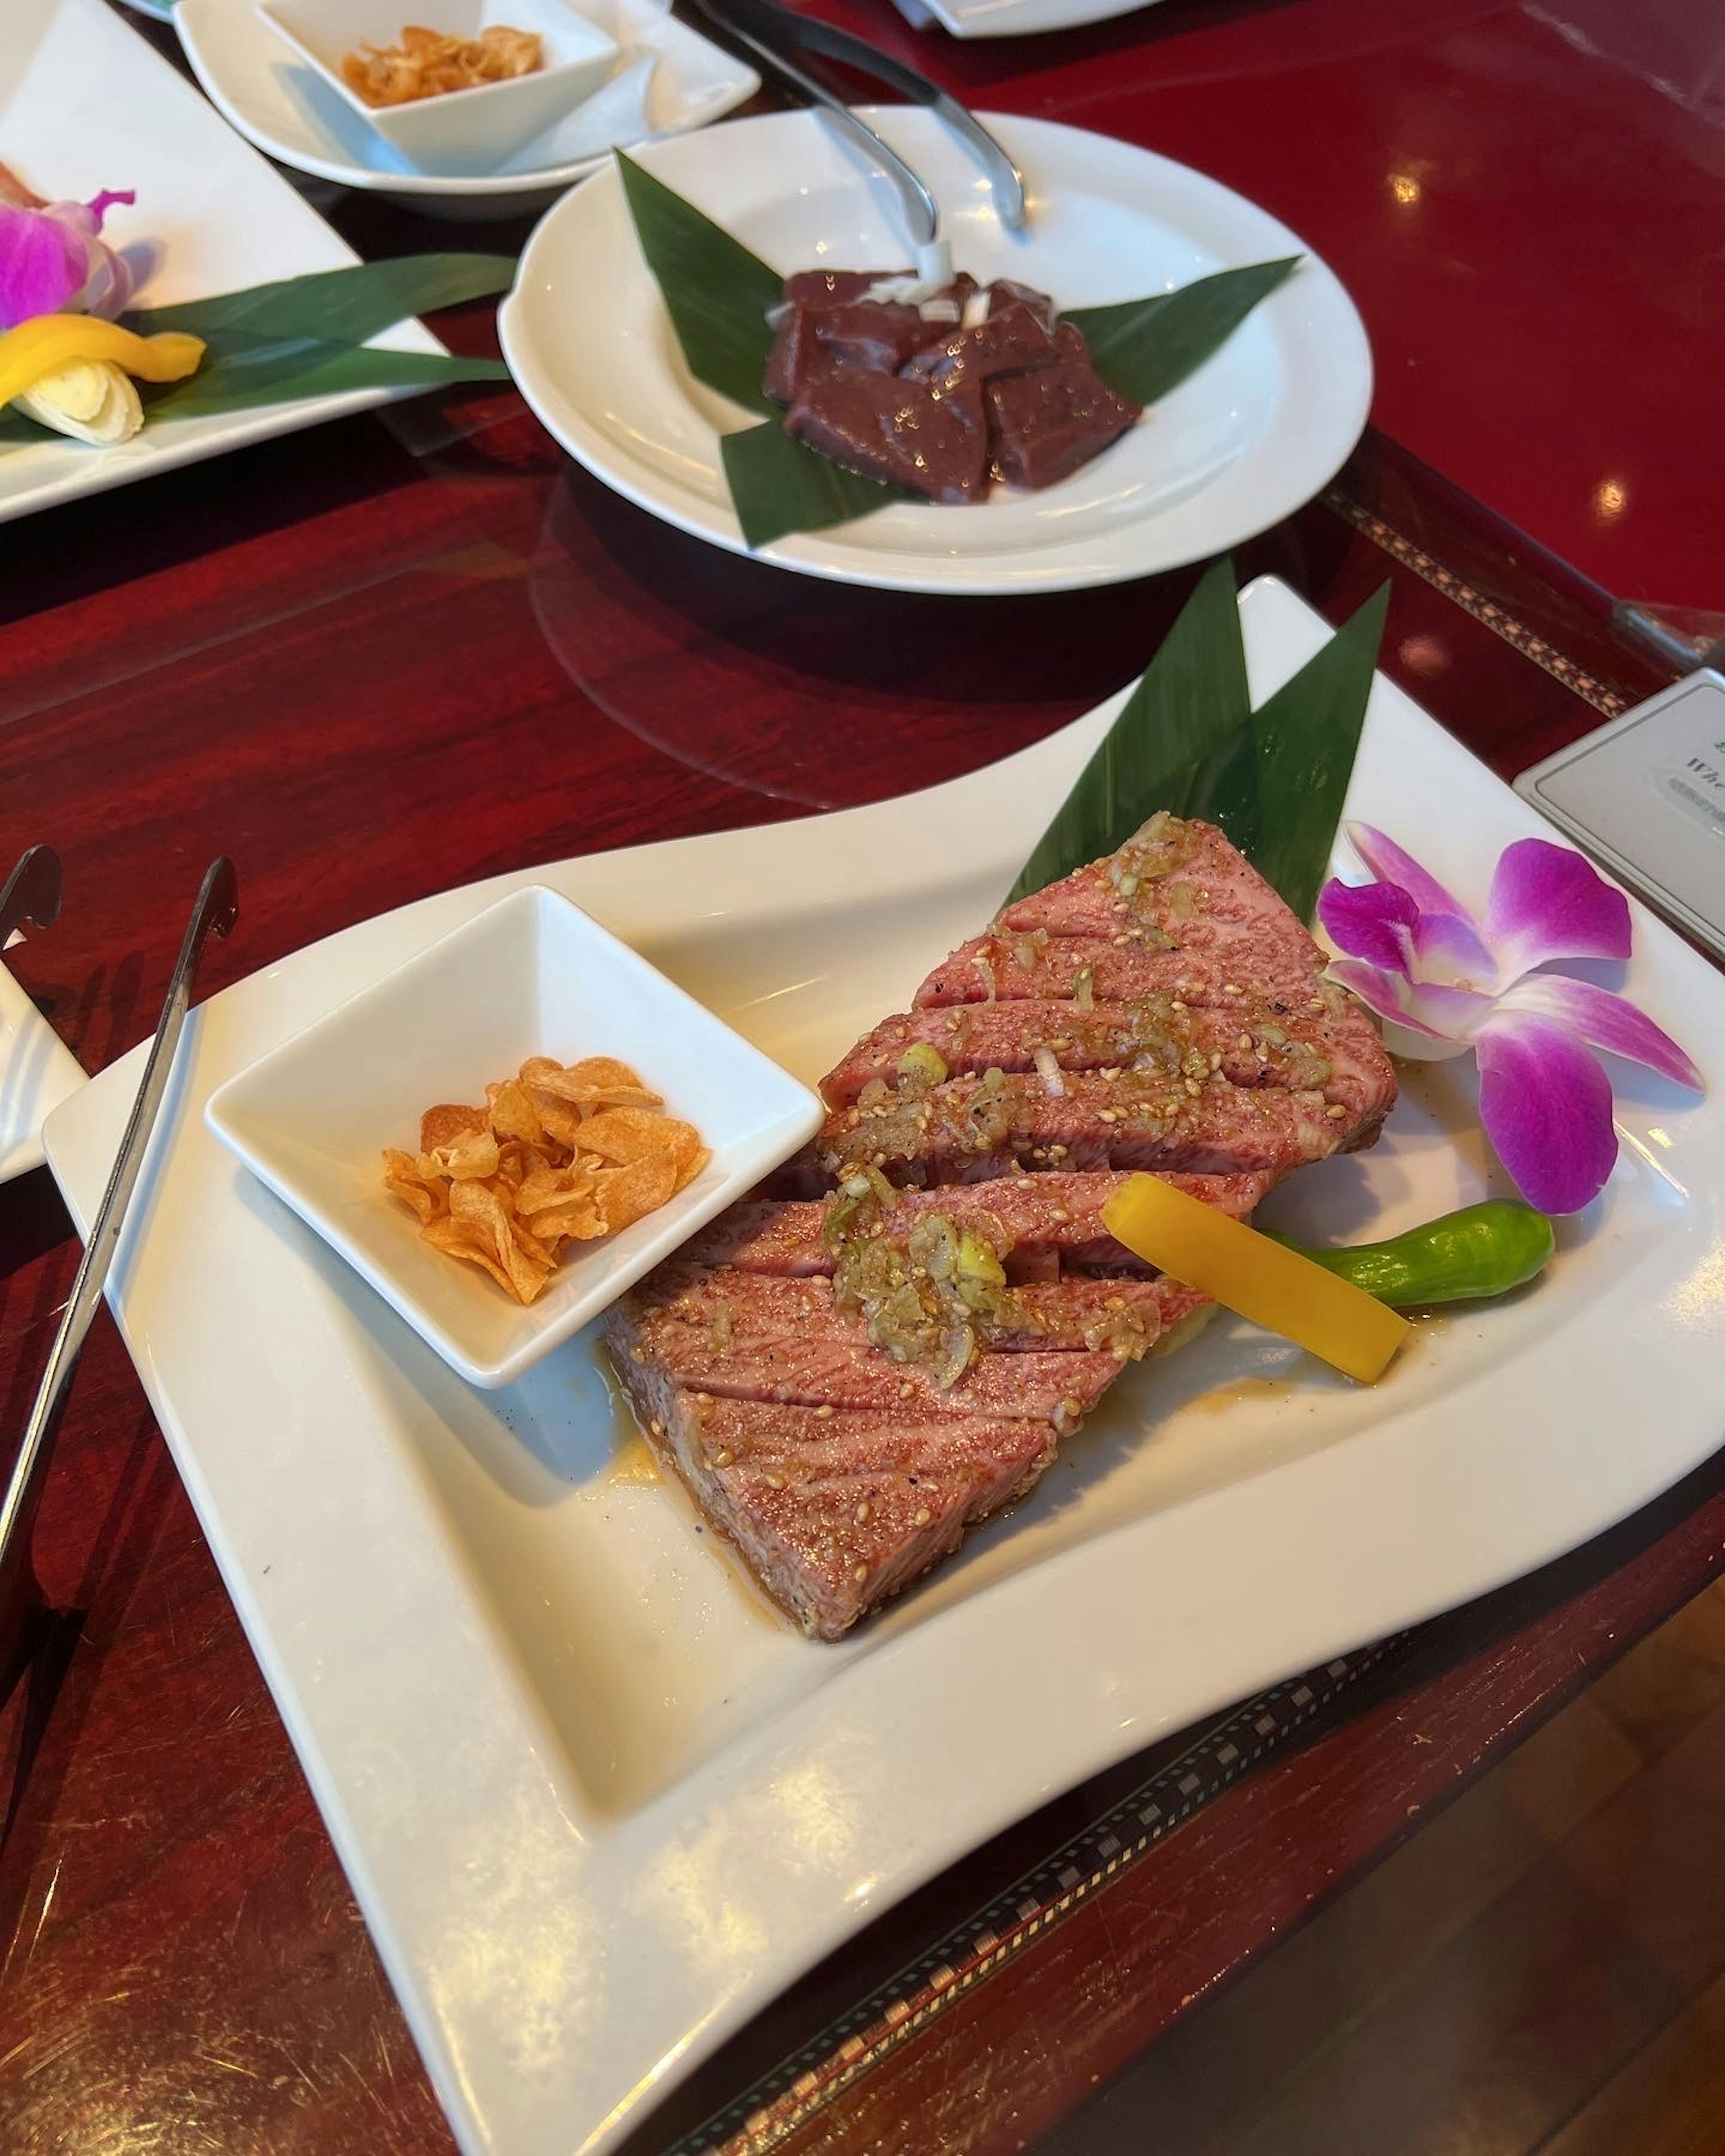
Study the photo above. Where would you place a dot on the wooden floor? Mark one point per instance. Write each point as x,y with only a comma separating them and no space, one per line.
1541,1968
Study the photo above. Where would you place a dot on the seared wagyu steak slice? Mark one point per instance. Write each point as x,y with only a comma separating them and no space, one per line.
886,1343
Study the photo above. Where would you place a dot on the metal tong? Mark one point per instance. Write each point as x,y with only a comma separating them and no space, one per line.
216,909
33,892
780,39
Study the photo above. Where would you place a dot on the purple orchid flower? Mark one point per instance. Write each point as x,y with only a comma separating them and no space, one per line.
1450,983
54,261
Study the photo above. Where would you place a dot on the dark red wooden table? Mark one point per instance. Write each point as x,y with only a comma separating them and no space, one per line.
404,653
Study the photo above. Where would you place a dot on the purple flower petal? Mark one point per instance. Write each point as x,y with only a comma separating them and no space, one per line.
1448,947
1388,864
1547,902
1545,1102
1380,992
1426,1008
42,265
106,285
1608,1021
1371,921
100,205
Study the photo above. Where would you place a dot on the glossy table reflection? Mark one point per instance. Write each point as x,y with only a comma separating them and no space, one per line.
407,652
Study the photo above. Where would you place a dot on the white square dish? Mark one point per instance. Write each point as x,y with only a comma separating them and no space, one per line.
529,975
461,131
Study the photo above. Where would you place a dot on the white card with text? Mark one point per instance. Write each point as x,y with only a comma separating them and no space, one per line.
1647,795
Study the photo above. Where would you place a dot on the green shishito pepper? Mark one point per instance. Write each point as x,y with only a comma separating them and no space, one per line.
1484,1250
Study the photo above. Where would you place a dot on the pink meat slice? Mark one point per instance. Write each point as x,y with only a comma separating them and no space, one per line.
1254,1045
1057,1216
761,1355
1217,965
834,1517
961,1132
777,1309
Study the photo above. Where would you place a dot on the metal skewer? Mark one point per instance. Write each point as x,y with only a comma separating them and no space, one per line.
216,909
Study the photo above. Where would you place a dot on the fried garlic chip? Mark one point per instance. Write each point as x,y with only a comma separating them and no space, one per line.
428,64
561,1153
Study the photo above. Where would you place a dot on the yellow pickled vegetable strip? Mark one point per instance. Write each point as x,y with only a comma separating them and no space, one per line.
1266,1281
49,342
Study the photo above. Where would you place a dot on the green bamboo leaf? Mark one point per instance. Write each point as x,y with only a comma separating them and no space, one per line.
1192,698
333,306
1144,348
1307,736
778,485
716,292
276,370
1186,740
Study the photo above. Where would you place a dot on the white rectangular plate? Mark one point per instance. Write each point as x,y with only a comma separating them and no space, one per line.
85,103
596,1804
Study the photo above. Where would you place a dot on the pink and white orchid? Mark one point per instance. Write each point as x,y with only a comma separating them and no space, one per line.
54,261
1450,983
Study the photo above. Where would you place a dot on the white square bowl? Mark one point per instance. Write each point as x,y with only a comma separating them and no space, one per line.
531,975
463,131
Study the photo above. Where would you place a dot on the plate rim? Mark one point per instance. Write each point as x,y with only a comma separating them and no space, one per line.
504,187
1002,574
1078,1684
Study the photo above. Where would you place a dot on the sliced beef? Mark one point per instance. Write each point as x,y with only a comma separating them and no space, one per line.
1175,875
1041,1317
1042,1217
882,337
966,1131
903,434
810,297
998,968
738,1337
1043,425
1337,1052
1011,341
833,1516
1004,293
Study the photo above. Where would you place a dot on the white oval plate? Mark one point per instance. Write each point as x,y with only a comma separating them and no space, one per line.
1241,444
673,79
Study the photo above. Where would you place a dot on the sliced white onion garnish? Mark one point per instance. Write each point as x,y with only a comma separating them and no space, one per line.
934,263
1048,1069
